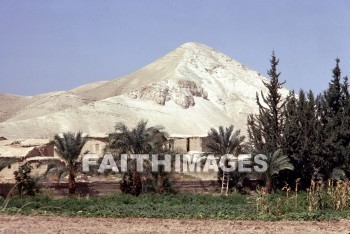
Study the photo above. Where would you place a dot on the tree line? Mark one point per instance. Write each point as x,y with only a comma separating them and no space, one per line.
313,131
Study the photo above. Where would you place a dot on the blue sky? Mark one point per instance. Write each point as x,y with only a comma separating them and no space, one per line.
58,45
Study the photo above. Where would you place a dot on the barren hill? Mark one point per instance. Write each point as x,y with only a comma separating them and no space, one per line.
187,91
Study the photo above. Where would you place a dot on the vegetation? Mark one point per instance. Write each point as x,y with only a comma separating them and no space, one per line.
316,135
26,184
313,133
276,163
312,205
265,129
140,140
334,117
226,141
69,148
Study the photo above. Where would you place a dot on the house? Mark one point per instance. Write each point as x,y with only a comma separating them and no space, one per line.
184,144
29,150
95,145
37,151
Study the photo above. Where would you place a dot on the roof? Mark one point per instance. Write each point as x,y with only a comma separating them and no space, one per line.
94,135
45,159
20,148
187,136
34,142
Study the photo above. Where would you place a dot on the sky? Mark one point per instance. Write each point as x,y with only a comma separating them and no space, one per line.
60,44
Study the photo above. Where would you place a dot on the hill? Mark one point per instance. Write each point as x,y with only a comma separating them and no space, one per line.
187,91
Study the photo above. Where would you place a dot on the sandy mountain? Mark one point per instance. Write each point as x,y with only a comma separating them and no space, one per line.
10,104
188,91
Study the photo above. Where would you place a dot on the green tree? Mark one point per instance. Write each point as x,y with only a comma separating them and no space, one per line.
26,184
139,140
265,129
301,133
345,127
276,163
334,117
333,96
226,141
69,148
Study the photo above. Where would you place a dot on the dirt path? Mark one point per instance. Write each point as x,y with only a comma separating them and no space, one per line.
53,224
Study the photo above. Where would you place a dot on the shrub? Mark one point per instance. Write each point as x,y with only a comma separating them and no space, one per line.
26,184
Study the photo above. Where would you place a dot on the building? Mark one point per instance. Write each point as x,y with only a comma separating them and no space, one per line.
95,145
21,151
40,153
184,144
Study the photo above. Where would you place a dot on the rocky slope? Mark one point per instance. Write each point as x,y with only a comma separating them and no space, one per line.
188,91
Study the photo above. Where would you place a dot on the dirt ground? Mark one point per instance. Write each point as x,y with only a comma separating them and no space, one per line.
53,224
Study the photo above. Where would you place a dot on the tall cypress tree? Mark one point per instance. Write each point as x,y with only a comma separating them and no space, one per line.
335,121
333,95
301,138
265,129
345,127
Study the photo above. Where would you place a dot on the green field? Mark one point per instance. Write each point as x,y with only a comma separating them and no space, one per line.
179,206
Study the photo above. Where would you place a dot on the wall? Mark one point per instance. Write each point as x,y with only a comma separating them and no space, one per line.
45,150
6,174
94,146
195,144
180,144
107,187
205,141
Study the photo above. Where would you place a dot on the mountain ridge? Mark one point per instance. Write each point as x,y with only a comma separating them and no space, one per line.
187,85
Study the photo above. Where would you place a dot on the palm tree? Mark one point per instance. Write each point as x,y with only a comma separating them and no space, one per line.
276,162
139,140
226,141
69,149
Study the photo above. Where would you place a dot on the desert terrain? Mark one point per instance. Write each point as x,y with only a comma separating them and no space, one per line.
194,85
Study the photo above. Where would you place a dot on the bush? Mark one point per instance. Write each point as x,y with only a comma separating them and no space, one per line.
26,184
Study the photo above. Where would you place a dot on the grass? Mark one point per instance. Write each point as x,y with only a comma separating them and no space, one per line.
178,206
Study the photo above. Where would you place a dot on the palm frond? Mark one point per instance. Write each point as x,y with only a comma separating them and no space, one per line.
137,140
69,146
225,140
278,162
